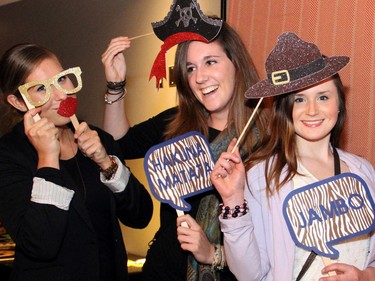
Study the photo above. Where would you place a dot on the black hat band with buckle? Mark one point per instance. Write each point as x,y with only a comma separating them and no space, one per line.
285,76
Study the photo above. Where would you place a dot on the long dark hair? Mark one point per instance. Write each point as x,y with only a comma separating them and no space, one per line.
15,66
191,113
278,148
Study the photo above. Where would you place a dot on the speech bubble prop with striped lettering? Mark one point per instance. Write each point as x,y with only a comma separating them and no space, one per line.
179,168
329,211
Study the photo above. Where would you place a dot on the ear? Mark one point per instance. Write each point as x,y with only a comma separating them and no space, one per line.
17,103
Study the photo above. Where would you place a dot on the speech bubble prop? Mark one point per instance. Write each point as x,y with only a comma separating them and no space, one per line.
329,211
179,168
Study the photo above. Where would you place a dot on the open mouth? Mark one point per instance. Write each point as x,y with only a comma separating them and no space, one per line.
209,90
312,123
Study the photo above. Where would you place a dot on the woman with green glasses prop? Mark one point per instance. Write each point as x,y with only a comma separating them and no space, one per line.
61,192
38,93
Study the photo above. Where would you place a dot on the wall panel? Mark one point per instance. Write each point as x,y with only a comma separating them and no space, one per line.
338,27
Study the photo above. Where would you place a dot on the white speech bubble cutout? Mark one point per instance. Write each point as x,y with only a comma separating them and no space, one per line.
329,211
179,168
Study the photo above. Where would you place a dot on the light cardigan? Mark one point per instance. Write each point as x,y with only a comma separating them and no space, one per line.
258,245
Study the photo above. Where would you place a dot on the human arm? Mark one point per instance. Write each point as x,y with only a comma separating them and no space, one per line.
115,120
194,240
90,144
244,236
134,205
347,272
43,135
228,177
141,137
34,202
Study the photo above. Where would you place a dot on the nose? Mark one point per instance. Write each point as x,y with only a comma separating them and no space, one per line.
58,95
312,108
201,75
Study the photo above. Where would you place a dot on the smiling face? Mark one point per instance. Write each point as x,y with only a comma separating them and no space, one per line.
48,68
315,112
211,76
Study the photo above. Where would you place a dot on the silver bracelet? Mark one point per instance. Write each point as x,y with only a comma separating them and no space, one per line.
108,101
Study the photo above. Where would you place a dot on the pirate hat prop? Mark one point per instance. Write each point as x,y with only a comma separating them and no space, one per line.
294,64
184,22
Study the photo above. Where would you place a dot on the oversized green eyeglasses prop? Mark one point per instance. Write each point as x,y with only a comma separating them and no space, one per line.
37,93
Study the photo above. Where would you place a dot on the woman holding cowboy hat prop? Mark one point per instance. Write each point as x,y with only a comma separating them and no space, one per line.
307,119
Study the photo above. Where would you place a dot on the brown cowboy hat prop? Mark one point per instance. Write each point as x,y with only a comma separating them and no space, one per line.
294,64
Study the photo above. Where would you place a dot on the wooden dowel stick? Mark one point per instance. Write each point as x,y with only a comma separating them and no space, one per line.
181,213
247,125
328,261
74,120
36,117
140,36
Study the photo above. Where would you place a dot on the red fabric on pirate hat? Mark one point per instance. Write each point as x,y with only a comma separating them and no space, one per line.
294,64
184,22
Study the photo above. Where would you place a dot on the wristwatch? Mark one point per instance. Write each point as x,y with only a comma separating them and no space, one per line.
111,170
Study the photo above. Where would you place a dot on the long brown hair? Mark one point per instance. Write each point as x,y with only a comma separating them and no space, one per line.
191,113
16,64
278,147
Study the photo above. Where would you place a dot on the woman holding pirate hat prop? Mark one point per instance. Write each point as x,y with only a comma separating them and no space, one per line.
213,70
308,114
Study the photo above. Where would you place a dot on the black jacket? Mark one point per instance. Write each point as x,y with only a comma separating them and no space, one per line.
83,243
165,259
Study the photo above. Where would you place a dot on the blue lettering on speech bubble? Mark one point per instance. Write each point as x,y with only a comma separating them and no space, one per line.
336,208
319,218
174,169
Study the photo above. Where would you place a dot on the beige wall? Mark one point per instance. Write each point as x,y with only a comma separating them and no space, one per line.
79,31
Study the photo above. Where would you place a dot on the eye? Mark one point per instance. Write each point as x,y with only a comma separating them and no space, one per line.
62,79
298,99
211,62
41,88
190,69
323,97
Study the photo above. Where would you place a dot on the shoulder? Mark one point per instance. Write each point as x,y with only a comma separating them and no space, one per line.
155,125
160,120
15,148
359,166
15,139
167,114
353,160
